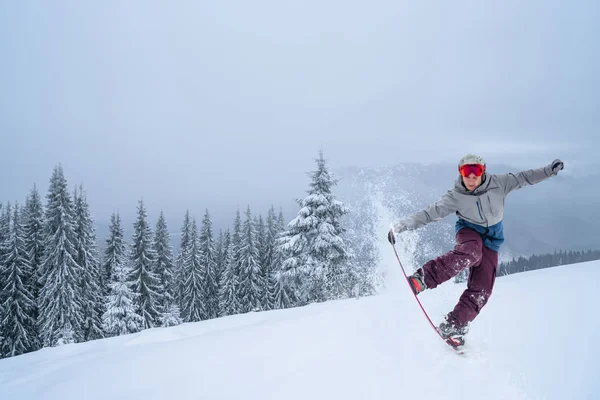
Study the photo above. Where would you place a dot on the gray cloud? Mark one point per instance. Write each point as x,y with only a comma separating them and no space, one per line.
226,104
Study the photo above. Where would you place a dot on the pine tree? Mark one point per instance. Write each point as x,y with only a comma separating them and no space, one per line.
4,250
17,324
183,245
236,240
171,316
208,261
145,282
315,254
115,252
3,244
165,270
120,317
250,271
221,245
261,245
33,215
363,265
269,260
60,315
219,255
194,294
90,281
229,294
5,232
228,299
284,296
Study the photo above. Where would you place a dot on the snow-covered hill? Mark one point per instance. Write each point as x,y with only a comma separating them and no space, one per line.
536,339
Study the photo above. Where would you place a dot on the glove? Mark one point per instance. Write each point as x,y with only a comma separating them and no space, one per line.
391,237
396,229
399,227
557,165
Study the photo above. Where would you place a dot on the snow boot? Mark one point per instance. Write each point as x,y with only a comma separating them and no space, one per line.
452,332
417,282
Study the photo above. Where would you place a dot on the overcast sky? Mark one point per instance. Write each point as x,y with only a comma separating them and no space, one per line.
205,103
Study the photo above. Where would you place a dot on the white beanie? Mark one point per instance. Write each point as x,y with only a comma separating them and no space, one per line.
471,159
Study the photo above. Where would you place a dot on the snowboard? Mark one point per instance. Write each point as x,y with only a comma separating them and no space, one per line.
455,345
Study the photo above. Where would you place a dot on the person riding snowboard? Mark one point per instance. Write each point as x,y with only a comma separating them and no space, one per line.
478,201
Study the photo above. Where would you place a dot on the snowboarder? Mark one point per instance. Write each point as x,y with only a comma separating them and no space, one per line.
478,200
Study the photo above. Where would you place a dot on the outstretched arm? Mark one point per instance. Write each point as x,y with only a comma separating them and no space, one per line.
512,182
445,206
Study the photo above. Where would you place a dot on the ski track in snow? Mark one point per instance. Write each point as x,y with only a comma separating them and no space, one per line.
379,347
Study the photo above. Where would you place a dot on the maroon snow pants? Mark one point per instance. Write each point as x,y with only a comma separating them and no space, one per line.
482,262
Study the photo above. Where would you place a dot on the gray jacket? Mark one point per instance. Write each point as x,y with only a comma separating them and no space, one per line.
484,207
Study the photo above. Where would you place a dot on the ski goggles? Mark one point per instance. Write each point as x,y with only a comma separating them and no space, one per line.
468,169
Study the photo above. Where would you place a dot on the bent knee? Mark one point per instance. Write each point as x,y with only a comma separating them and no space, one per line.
470,251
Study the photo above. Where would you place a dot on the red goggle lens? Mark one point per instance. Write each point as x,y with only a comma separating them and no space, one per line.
469,169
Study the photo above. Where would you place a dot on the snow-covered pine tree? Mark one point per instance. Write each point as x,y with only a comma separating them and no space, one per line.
183,246
163,265
228,299
226,243
33,215
261,245
208,260
165,270
3,242
17,324
236,240
60,318
145,282
224,247
221,245
219,255
5,218
284,296
269,260
90,285
315,258
115,252
250,271
362,267
194,292
229,296
120,317
3,233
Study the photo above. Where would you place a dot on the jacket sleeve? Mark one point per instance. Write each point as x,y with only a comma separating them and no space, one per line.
510,182
435,212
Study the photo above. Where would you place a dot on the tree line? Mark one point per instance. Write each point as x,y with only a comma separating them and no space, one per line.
57,287
523,264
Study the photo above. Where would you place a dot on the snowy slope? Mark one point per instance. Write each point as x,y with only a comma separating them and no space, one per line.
537,338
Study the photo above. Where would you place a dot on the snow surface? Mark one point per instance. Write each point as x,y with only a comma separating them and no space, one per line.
536,339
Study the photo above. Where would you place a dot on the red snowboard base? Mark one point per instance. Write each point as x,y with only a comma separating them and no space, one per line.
457,346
